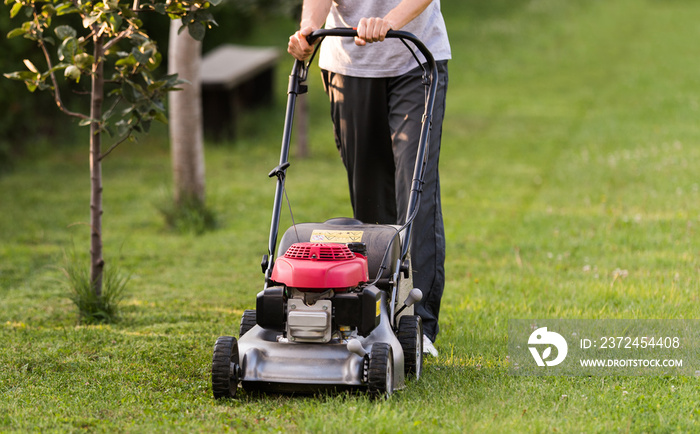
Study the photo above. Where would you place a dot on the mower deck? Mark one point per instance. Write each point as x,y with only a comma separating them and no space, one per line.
266,359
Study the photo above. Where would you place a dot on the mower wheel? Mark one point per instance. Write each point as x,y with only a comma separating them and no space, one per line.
380,375
225,368
410,336
248,321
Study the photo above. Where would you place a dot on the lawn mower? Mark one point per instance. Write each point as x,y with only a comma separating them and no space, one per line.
336,309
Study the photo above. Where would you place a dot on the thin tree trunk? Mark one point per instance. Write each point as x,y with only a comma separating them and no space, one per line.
185,123
96,260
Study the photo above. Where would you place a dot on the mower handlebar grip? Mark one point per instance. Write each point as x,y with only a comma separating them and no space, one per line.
349,32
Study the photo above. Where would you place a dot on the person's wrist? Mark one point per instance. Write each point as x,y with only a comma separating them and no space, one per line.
307,27
391,21
390,24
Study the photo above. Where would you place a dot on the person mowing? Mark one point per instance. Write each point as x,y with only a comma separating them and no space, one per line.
376,108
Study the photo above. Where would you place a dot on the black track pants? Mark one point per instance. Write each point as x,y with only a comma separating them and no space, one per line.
377,125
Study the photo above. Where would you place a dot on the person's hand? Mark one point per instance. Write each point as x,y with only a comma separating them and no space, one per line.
371,30
298,47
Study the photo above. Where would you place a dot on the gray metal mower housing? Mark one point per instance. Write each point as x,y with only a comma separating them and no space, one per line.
272,363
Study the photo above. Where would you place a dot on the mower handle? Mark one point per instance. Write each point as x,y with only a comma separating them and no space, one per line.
430,79
349,32
297,77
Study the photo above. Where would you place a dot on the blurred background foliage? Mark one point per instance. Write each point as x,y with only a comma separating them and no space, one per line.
30,125
26,121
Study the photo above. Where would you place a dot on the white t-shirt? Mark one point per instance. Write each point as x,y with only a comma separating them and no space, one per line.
389,58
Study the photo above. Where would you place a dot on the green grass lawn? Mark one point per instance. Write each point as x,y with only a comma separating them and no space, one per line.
571,151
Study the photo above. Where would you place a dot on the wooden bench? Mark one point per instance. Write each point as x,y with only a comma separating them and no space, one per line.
235,78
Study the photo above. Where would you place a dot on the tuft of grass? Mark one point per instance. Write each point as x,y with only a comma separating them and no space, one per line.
188,217
93,308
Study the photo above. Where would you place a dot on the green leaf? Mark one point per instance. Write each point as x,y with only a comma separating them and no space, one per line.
158,104
122,128
16,32
84,60
68,49
15,9
130,93
160,117
187,19
18,75
129,60
65,31
203,15
110,129
47,10
149,47
140,56
57,67
197,30
31,79
66,8
90,19
139,38
176,8
172,81
155,61
115,22
43,86
22,75
72,72
30,66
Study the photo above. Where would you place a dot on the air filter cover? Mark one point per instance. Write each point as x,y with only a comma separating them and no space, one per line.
320,266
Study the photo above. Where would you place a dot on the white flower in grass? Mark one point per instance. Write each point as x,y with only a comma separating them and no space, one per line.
620,273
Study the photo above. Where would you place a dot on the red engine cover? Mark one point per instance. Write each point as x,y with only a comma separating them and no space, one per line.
316,266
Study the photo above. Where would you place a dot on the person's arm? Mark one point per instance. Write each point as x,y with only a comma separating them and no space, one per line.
313,15
374,29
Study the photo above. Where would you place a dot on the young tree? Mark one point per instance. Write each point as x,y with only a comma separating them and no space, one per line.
103,42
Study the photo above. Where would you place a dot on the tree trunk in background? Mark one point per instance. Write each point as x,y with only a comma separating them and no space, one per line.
185,118
97,97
